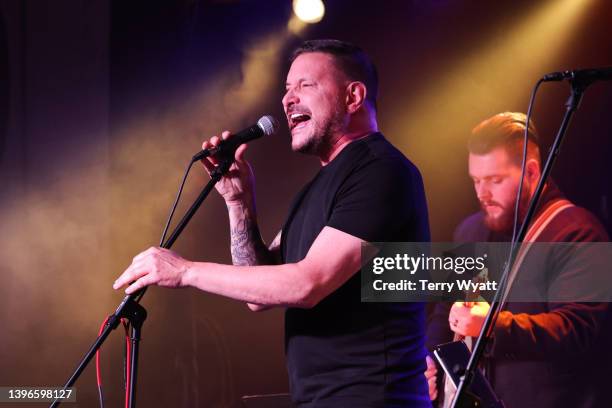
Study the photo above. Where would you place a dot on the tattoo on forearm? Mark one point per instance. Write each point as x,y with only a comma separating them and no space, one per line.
246,244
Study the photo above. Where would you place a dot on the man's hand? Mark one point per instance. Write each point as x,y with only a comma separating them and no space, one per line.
431,376
155,266
467,318
237,185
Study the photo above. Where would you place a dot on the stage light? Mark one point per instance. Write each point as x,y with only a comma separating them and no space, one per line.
496,74
309,11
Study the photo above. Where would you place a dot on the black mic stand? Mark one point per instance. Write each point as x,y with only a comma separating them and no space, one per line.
462,399
130,309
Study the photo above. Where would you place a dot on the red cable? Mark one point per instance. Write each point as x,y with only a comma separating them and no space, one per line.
128,359
98,374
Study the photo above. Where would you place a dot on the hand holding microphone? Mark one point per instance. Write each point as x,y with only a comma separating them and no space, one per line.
265,126
237,185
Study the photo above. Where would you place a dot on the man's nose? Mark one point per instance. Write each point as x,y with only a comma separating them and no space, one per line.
290,98
483,192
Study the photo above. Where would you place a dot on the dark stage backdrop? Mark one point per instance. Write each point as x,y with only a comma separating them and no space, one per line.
103,102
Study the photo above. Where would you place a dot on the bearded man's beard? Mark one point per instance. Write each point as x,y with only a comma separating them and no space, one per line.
504,222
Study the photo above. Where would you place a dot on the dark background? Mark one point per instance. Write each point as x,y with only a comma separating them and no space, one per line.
103,102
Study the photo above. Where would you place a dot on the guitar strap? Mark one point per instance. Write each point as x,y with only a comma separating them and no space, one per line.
534,231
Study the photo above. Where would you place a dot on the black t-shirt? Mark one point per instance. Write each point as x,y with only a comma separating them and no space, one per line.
343,352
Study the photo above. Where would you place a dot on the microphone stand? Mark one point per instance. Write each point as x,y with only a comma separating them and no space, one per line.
463,398
130,309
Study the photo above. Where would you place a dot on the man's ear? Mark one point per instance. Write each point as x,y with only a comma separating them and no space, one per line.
356,93
532,170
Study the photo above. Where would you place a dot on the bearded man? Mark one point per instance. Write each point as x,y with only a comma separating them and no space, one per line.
542,354
340,352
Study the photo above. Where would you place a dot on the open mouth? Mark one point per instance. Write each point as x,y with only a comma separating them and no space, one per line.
297,120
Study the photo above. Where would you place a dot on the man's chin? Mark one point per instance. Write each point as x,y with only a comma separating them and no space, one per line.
303,144
498,224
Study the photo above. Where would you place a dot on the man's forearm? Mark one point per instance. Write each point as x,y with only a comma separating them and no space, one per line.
263,286
247,246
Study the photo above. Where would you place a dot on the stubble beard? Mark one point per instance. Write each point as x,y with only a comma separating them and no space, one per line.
321,136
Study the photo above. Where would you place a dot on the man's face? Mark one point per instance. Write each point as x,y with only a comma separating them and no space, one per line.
314,101
496,179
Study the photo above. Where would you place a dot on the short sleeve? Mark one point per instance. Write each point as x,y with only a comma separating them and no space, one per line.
382,200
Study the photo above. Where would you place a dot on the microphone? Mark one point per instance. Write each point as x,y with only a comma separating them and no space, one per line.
265,126
582,75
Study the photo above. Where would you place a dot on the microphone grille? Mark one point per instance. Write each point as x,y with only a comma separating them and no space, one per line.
268,124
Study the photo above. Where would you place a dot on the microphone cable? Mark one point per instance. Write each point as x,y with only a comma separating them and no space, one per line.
126,322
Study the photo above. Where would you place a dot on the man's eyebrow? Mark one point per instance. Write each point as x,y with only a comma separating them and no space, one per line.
298,81
489,176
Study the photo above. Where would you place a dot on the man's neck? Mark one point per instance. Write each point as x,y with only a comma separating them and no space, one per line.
339,143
